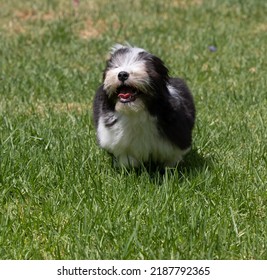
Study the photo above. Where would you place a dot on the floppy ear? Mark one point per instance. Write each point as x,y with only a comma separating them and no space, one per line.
113,49
116,47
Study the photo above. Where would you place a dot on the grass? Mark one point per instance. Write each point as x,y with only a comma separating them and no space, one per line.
60,197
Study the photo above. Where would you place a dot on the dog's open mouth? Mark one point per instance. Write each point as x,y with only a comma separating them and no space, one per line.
126,93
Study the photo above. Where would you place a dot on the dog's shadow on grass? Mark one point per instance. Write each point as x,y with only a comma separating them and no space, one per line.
191,165
194,162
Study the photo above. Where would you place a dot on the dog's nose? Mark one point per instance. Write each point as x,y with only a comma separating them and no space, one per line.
123,76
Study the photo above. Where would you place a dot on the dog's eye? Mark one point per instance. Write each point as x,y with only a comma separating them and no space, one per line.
110,64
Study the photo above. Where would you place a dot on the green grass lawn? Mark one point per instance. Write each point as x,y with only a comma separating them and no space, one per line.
60,197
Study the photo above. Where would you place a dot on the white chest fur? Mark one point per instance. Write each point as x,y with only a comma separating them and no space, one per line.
135,138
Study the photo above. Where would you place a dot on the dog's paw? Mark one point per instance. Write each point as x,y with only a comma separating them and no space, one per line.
126,161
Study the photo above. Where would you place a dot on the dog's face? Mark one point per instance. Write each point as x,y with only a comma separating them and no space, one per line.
133,77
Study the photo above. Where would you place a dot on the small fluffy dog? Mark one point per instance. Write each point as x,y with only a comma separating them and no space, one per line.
141,114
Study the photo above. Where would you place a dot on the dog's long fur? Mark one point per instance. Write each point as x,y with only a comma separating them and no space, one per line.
141,114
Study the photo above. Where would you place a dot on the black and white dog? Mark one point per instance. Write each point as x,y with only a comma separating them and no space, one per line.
141,114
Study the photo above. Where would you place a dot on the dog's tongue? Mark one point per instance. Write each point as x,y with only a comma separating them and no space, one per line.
125,95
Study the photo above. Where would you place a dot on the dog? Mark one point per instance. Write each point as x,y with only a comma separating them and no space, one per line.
141,114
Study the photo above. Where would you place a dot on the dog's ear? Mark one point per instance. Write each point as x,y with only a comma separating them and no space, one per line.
113,50
116,47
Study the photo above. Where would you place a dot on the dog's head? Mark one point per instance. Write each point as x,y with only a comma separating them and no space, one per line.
133,77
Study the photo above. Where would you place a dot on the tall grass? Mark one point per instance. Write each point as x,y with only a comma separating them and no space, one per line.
60,196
